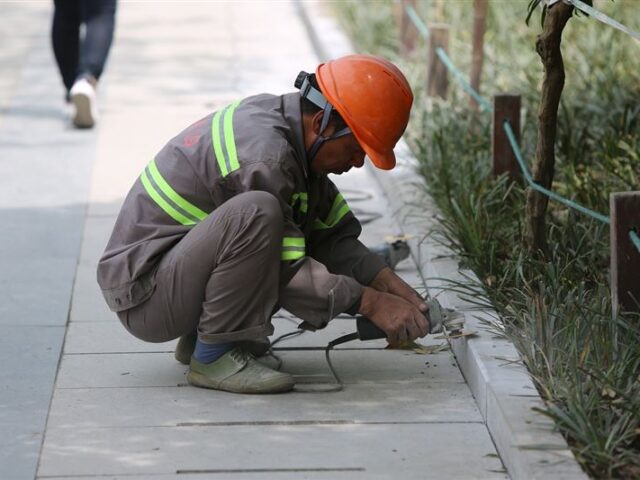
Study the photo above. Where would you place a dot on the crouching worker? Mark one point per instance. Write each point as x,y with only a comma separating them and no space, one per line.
235,217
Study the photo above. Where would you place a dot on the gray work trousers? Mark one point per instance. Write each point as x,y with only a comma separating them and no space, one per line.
222,278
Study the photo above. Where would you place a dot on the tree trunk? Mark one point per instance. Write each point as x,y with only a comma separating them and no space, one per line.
548,47
479,27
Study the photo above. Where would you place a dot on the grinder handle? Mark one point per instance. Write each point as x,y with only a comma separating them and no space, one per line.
367,330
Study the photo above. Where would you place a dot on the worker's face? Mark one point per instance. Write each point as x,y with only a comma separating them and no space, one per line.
339,155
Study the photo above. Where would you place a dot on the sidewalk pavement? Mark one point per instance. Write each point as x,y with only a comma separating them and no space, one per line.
121,408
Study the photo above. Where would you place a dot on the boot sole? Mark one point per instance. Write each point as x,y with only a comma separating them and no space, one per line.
198,380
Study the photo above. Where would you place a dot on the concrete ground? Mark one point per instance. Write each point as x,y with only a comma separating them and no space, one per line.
79,397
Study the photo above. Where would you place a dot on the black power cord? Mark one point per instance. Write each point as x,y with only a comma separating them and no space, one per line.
365,330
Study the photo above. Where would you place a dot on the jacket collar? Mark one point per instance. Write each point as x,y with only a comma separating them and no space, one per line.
293,116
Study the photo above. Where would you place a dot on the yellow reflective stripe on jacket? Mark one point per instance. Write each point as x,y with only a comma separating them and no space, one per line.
168,199
304,201
224,142
293,248
338,210
174,196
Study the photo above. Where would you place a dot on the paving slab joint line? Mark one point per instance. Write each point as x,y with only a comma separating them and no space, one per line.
505,394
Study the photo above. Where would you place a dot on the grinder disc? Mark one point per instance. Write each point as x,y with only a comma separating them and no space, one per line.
457,334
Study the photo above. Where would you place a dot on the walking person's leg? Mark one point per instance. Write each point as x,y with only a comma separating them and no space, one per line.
221,279
98,17
65,39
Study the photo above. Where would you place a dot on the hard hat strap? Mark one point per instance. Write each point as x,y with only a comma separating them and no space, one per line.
314,95
320,139
326,116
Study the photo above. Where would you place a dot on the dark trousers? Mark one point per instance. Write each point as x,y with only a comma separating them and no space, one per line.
75,56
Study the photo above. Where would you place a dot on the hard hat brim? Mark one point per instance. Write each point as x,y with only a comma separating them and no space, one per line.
382,160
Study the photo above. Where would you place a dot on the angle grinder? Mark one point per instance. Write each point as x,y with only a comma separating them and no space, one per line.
441,320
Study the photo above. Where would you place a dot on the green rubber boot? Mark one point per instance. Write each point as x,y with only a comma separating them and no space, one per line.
239,372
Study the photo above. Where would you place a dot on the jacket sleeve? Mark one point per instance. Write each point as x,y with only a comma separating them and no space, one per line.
334,239
307,288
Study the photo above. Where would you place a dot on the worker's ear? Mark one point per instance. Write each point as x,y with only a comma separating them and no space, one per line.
317,123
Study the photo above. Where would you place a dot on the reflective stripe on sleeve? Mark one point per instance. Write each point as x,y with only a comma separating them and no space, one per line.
338,210
174,196
293,248
168,199
224,143
304,201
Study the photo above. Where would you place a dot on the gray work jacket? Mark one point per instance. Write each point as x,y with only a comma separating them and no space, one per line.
253,144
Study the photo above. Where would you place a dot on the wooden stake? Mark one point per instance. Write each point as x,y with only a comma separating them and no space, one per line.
625,258
477,57
437,75
408,30
439,11
397,9
505,107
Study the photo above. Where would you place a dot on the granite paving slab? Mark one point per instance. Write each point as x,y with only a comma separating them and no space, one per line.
377,450
353,366
25,393
169,406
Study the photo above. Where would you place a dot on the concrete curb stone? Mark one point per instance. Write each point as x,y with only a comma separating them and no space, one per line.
526,440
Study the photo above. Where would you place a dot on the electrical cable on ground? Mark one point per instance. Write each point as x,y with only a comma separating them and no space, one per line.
355,195
338,382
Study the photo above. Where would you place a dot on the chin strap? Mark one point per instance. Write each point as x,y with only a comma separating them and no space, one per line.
314,95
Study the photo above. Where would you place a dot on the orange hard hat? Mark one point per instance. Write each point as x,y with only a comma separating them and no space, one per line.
374,99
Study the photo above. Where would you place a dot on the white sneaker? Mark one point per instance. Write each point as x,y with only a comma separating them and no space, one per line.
83,97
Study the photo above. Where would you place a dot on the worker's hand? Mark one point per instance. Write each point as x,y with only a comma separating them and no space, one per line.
401,320
387,281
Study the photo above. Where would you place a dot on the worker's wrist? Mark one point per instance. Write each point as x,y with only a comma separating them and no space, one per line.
367,301
355,308
381,281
